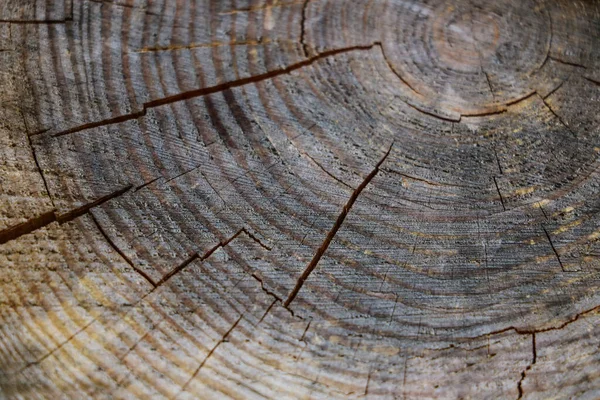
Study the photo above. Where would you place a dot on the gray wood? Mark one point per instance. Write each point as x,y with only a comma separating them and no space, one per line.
299,199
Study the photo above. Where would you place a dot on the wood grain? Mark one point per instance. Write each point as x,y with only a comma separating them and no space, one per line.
299,199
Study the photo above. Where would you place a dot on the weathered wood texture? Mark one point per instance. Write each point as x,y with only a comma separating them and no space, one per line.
197,199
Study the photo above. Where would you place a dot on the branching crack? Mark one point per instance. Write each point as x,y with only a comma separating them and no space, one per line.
214,89
197,256
33,224
338,223
556,88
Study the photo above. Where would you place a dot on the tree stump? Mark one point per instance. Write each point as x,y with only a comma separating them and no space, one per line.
299,199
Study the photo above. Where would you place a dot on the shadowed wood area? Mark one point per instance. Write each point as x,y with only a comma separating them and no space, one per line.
387,199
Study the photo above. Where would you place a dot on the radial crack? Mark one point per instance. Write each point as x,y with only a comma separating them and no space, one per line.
303,29
143,185
57,348
210,353
594,81
40,221
553,248
31,225
196,256
498,161
557,116
35,159
499,194
487,78
338,223
570,63
214,89
524,372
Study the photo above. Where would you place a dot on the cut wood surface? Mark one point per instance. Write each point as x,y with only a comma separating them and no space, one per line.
299,199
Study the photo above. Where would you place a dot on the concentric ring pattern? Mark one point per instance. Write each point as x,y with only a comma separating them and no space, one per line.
319,198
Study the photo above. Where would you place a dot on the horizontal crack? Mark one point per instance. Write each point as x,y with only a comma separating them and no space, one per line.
572,64
35,21
206,45
46,219
327,172
261,7
541,330
214,89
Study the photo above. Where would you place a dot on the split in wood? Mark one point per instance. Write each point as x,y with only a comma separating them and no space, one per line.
338,223
41,221
197,256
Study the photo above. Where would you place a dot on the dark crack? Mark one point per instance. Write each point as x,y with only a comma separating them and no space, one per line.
213,89
120,252
43,220
197,256
499,193
305,46
338,223
524,372
210,353
553,248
